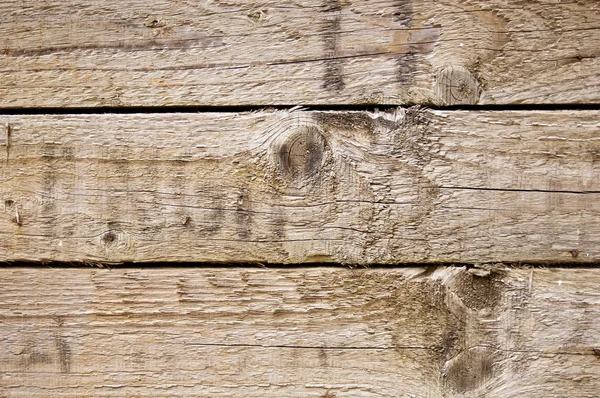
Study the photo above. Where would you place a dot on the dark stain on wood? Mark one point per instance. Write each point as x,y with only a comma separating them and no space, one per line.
323,362
278,223
212,220
407,59
178,182
67,156
31,356
333,79
37,357
167,38
403,13
49,182
332,5
68,153
356,126
62,347
346,121
406,67
243,217
215,219
49,151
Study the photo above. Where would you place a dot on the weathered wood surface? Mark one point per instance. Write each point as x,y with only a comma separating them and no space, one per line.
74,53
312,332
291,187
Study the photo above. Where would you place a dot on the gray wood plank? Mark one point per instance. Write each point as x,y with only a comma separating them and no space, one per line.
299,187
313,332
75,53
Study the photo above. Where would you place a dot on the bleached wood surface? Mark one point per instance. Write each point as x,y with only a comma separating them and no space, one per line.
312,332
292,187
75,53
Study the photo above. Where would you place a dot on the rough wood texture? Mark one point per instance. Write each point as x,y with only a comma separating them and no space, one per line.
312,332
289,187
74,53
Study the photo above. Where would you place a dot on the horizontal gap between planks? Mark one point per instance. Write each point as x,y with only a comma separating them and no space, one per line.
254,108
521,265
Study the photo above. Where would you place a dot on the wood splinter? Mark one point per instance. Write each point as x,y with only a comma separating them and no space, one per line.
17,218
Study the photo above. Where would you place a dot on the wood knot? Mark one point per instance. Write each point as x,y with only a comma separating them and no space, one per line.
300,156
257,16
154,22
478,290
114,240
470,370
455,85
109,238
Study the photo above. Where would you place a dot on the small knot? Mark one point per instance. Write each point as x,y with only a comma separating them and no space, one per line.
455,85
154,22
113,241
257,16
109,238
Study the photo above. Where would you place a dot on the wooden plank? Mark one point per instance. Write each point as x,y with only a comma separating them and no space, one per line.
311,332
75,53
290,187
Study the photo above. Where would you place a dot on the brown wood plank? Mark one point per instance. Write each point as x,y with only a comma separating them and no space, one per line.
292,187
74,53
312,332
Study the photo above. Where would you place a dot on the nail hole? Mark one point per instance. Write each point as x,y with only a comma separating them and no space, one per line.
574,253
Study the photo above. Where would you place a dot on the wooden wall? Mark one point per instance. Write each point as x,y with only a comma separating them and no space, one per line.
343,198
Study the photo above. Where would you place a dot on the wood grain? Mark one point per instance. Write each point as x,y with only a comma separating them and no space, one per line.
76,53
294,187
311,332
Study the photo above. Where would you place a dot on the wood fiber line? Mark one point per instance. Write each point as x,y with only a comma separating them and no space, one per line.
312,332
405,185
133,53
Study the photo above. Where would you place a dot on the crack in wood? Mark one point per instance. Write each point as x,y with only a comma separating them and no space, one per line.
305,347
590,192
